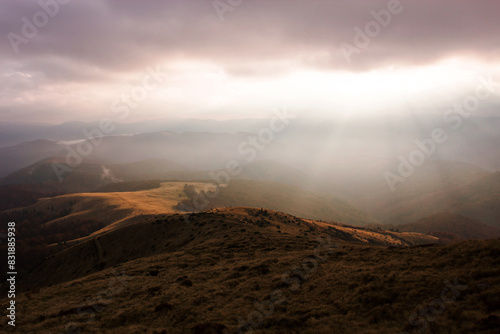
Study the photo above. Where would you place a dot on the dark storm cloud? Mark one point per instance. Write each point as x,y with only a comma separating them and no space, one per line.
97,39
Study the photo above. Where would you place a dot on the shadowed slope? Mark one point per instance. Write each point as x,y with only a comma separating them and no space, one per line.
456,226
227,268
234,228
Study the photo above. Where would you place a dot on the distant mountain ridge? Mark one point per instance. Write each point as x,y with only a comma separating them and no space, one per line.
13,133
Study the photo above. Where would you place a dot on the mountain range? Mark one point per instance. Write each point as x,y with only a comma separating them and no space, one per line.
222,219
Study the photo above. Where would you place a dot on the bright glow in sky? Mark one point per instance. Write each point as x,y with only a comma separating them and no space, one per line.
263,56
206,90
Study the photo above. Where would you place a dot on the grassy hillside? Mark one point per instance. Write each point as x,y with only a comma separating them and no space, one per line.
100,172
129,186
112,208
287,198
250,271
60,219
440,187
27,185
176,231
451,226
479,200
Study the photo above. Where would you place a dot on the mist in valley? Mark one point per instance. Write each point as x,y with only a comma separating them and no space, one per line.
215,167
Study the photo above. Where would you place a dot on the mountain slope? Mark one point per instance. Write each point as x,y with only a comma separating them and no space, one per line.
231,271
63,219
479,200
268,170
285,198
25,154
100,171
173,232
456,226
39,180
112,209
451,187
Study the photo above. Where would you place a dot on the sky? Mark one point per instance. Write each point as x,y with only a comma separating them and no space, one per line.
85,60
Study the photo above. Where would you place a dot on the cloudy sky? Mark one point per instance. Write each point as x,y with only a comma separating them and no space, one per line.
133,60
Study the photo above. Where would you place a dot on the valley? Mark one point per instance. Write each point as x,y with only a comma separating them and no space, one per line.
163,246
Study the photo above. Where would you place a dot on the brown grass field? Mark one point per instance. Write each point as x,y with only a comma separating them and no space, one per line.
248,270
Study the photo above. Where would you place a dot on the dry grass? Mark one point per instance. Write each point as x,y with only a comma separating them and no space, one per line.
166,276
116,208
